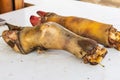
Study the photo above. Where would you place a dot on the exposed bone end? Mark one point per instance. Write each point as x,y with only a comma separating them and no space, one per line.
96,56
114,38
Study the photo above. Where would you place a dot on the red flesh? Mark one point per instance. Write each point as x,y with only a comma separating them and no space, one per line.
35,20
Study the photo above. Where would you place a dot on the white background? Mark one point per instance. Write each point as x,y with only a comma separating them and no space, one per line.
58,64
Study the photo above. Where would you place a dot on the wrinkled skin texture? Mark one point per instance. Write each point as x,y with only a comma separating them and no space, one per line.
104,34
53,36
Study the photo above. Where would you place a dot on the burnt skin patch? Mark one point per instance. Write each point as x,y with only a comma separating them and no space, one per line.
11,44
87,45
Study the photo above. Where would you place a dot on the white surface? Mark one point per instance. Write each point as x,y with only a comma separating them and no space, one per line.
58,64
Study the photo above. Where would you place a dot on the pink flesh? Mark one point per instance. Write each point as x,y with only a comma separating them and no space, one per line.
35,20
